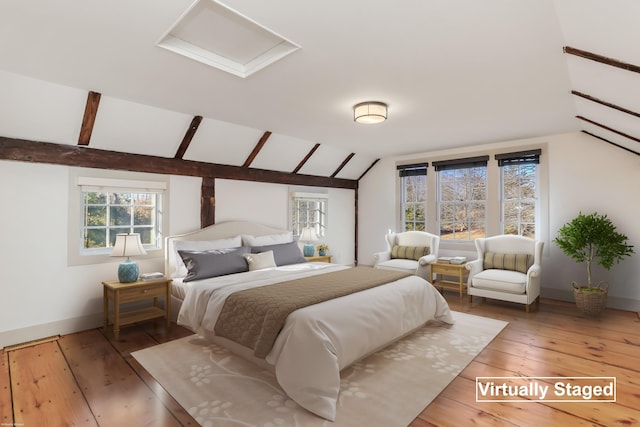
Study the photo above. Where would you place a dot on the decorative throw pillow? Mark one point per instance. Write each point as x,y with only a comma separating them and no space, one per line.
213,263
260,261
200,245
513,262
409,252
284,254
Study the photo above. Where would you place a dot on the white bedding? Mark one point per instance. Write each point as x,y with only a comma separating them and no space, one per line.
318,341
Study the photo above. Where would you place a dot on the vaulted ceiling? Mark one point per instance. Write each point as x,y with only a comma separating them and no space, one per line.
454,74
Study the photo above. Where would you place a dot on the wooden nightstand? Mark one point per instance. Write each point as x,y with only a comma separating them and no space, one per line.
141,290
319,258
457,271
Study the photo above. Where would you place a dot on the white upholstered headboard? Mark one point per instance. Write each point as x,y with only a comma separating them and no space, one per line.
222,230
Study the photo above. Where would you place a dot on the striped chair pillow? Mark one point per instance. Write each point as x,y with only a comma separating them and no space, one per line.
514,262
409,252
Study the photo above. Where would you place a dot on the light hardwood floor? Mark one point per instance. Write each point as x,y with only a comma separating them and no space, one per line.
89,379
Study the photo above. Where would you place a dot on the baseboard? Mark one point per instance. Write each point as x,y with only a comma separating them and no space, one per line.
626,304
61,327
65,326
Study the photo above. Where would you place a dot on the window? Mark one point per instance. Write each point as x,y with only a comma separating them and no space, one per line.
462,198
309,210
519,192
413,196
116,206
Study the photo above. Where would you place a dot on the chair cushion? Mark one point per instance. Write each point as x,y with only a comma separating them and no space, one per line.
505,261
500,280
409,252
399,264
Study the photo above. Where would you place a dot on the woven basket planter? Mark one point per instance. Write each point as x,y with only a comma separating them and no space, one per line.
591,303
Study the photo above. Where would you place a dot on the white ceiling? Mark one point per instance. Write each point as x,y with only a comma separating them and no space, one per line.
454,73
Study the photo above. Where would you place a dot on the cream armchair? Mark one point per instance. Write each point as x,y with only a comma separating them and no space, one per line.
508,268
411,251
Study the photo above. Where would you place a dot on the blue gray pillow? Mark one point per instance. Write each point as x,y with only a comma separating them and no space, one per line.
283,254
214,262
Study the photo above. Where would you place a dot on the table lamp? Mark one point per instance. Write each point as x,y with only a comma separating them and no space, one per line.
128,244
308,235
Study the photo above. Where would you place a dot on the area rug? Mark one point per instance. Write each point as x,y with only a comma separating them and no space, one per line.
387,389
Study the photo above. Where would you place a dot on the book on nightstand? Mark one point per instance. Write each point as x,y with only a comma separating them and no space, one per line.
445,260
458,260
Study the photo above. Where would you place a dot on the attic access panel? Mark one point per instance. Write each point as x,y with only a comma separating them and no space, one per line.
216,35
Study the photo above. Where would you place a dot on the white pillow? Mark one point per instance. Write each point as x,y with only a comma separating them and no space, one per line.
199,245
271,239
260,261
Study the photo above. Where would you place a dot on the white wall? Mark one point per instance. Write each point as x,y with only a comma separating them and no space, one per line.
584,174
43,296
589,175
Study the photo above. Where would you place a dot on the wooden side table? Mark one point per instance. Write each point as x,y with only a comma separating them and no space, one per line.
120,293
451,271
319,258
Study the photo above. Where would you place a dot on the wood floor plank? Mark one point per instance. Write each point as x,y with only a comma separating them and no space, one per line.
519,413
577,361
6,407
180,413
419,422
161,334
554,336
502,364
148,334
444,411
44,389
624,410
114,391
596,349
132,338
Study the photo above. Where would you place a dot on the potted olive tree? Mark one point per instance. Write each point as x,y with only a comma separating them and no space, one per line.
592,238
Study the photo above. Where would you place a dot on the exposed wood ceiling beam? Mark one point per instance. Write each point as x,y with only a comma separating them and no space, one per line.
610,142
368,169
602,59
188,136
306,158
633,138
89,118
355,231
207,202
256,149
74,155
606,104
342,165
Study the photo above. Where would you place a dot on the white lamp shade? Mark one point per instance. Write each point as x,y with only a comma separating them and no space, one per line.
308,235
370,112
128,245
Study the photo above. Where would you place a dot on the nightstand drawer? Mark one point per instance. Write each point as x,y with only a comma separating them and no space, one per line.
448,269
143,292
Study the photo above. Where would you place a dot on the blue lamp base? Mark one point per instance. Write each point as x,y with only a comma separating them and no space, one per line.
308,250
128,271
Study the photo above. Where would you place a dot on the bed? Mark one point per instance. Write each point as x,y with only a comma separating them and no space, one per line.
315,341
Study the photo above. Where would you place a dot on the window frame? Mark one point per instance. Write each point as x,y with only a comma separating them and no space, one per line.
103,178
466,204
319,222
413,172
520,159
112,229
